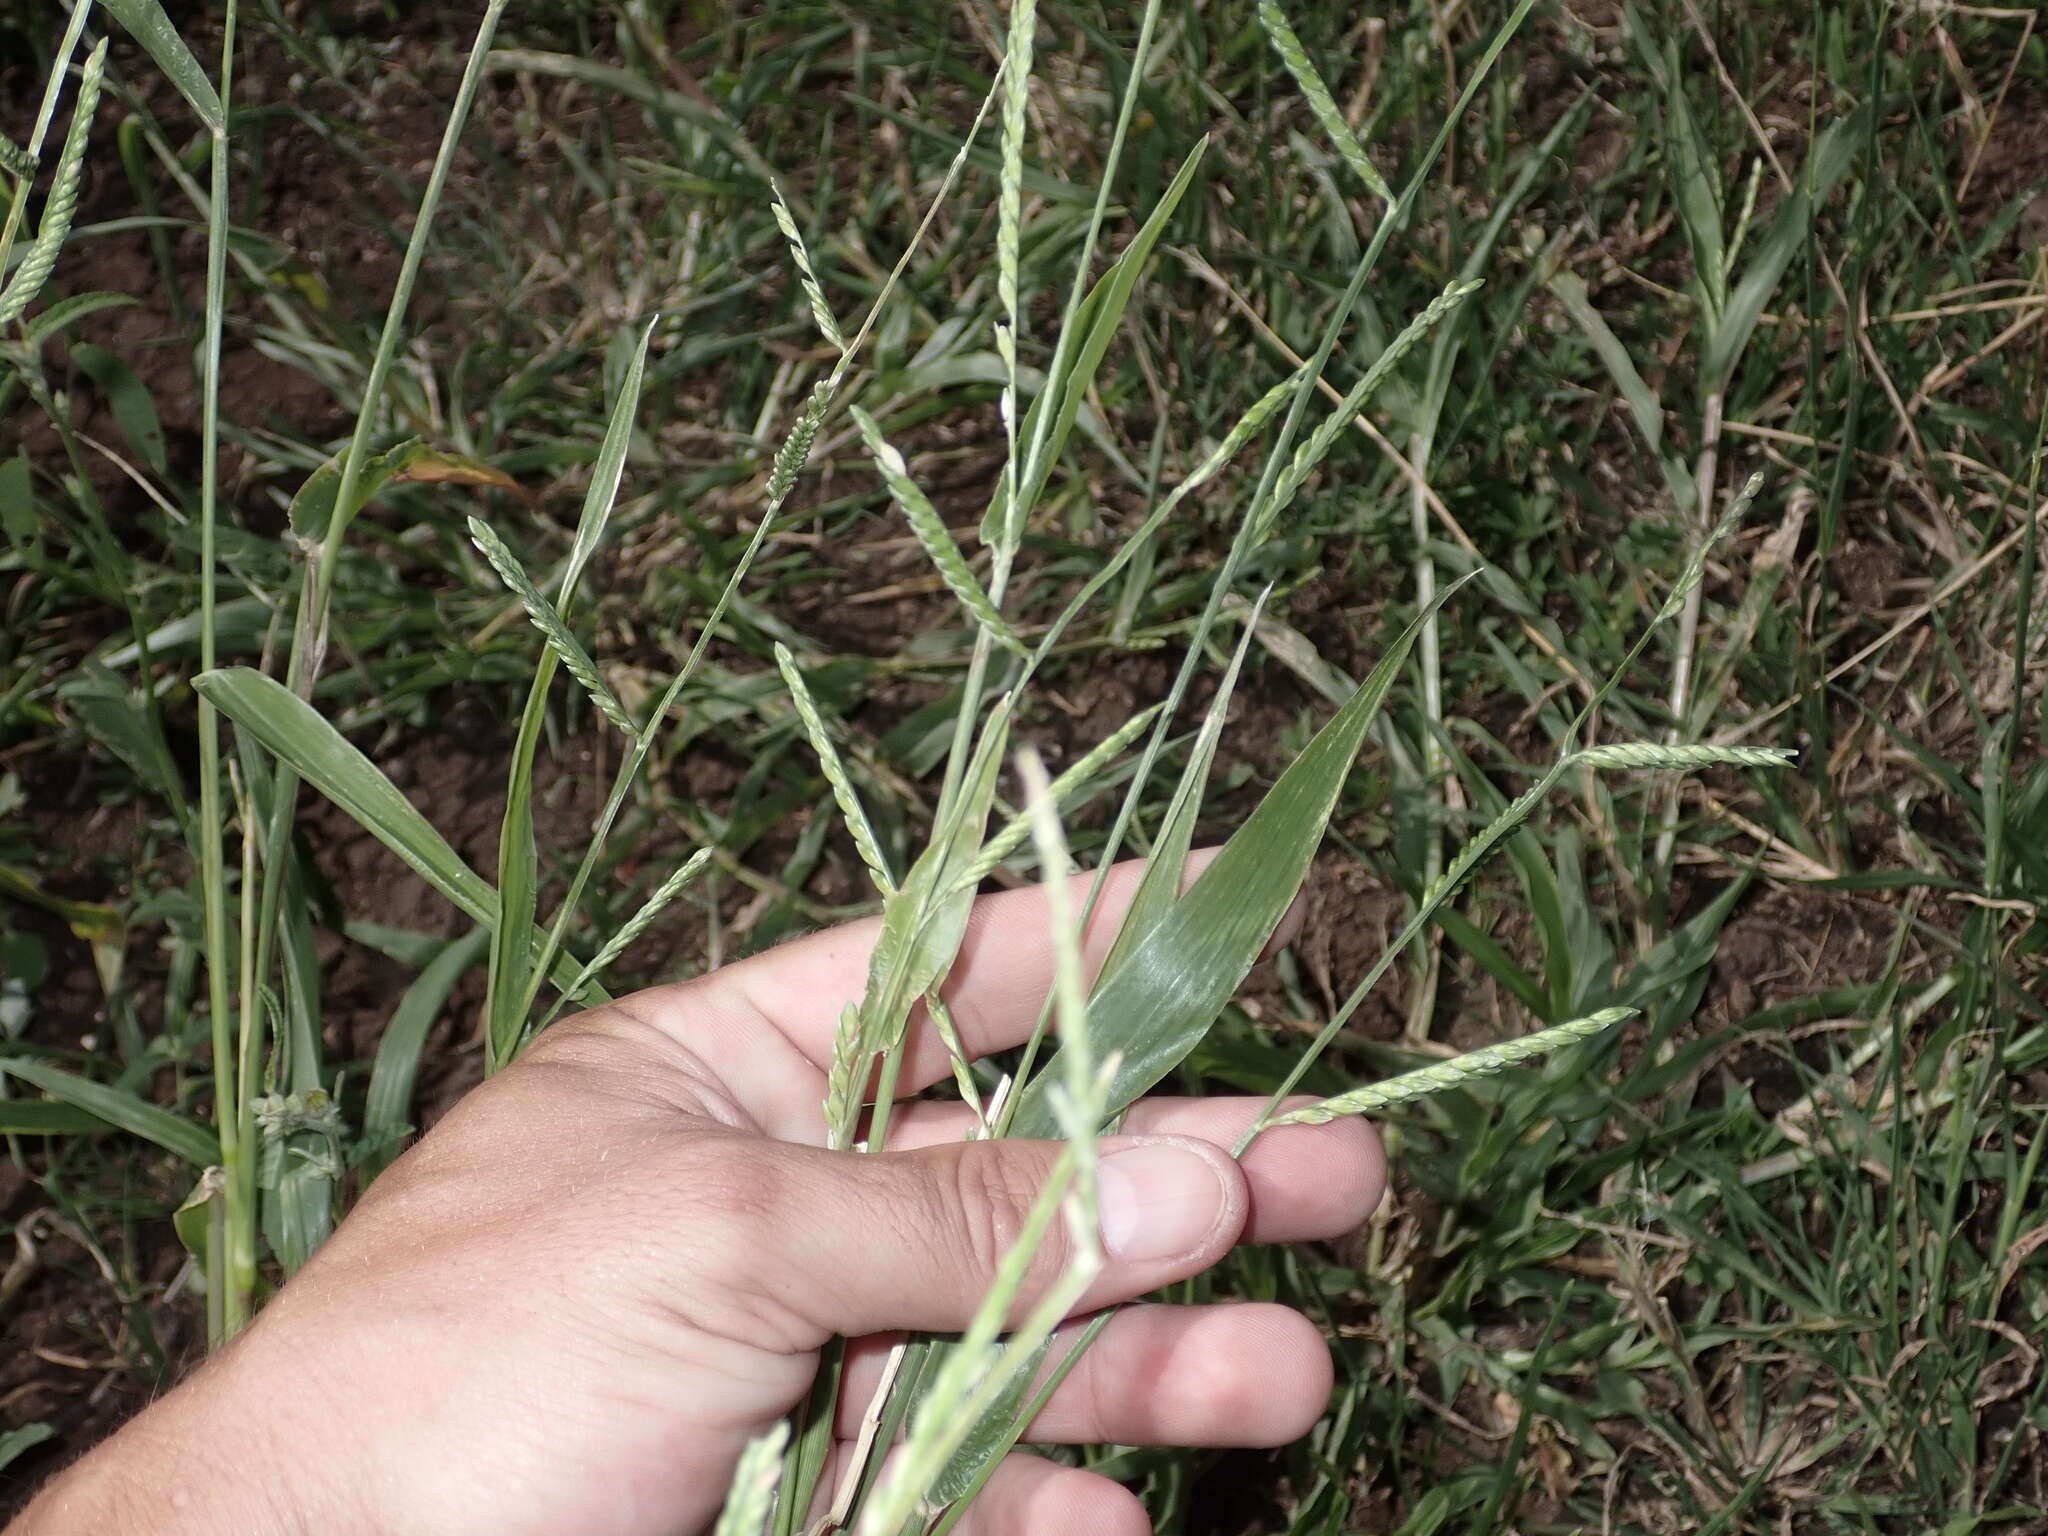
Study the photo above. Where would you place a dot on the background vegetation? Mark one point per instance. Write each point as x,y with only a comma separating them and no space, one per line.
1769,1259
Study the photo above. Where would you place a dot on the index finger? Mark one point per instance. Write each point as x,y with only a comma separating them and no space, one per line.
794,995
996,989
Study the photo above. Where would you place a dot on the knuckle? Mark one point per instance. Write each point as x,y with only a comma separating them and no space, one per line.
994,1191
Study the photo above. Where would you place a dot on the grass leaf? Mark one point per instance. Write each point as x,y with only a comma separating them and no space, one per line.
1641,400
1834,150
1159,887
118,1107
146,22
1050,420
387,1105
508,1002
128,399
602,494
299,736
1159,1002
68,311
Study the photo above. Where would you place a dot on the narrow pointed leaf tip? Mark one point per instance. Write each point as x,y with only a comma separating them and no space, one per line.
1456,1072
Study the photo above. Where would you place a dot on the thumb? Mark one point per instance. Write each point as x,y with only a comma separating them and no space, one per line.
914,1240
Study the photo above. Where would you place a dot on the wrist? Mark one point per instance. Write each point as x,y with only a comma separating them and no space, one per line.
230,1450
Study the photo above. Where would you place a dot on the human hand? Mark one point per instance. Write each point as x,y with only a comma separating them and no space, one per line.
607,1269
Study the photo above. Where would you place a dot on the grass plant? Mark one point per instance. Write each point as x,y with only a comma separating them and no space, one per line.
1556,436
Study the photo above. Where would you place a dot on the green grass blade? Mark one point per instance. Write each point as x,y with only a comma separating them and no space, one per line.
508,1000
1156,1006
306,742
387,1105
310,745
1159,887
309,639
55,318
1696,186
48,1117
602,494
22,1439
146,22
1834,150
312,511
128,399
152,1122
62,202
1050,420
1641,400
1321,102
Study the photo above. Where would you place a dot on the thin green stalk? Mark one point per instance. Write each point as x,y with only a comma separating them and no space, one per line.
316,583
1421,444
310,644
237,1283
789,463
1688,632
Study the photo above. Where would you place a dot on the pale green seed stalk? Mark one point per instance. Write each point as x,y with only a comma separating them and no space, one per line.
935,537
1459,1070
1071,779
62,202
752,1500
234,1276
1332,426
553,628
821,312
1328,116
1647,754
1016,86
851,811
622,939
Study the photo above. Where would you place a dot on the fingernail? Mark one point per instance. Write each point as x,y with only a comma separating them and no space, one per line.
1159,1199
